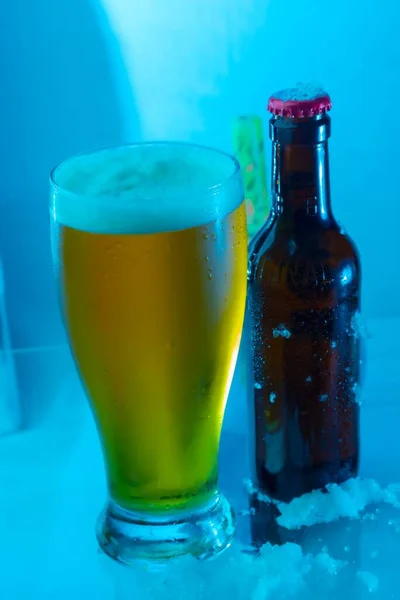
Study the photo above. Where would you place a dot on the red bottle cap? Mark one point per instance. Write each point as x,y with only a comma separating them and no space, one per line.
300,102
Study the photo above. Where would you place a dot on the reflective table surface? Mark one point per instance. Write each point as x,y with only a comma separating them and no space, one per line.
52,488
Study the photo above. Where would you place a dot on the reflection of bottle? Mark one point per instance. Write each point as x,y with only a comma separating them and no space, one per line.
303,302
10,416
263,524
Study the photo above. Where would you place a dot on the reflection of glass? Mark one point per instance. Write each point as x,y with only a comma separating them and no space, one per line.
10,409
150,247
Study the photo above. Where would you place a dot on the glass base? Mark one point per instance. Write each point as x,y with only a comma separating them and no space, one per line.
130,537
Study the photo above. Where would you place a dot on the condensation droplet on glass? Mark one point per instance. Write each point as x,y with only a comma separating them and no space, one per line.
272,397
206,259
333,344
323,398
308,379
347,548
210,273
258,386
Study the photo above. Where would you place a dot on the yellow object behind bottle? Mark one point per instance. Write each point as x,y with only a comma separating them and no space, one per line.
248,143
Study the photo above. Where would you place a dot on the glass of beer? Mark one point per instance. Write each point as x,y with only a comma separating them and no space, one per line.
150,251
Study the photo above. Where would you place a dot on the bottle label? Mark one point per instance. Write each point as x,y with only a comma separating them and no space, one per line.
299,275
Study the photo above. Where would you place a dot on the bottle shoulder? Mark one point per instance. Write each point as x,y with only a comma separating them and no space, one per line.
307,263
328,242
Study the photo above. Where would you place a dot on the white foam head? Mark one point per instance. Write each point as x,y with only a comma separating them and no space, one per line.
145,188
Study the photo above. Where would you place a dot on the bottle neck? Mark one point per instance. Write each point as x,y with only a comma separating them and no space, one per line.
300,184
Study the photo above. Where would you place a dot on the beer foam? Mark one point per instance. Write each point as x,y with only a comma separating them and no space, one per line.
145,188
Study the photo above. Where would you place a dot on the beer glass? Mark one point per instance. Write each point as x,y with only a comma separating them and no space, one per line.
150,251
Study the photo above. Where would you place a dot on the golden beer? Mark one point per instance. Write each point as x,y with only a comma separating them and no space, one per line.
153,286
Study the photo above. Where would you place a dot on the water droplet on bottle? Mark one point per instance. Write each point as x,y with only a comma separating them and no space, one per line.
272,397
324,398
292,247
281,331
258,386
333,344
308,379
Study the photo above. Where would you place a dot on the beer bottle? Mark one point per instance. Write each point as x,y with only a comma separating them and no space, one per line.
303,306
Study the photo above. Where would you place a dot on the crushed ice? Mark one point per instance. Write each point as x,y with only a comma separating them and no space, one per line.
358,327
252,490
277,572
346,500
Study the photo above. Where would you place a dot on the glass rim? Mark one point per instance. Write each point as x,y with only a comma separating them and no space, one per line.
201,191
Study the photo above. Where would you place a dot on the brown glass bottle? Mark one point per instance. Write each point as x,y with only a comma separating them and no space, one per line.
303,304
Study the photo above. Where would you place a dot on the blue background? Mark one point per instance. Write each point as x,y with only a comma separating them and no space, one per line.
78,74
81,74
